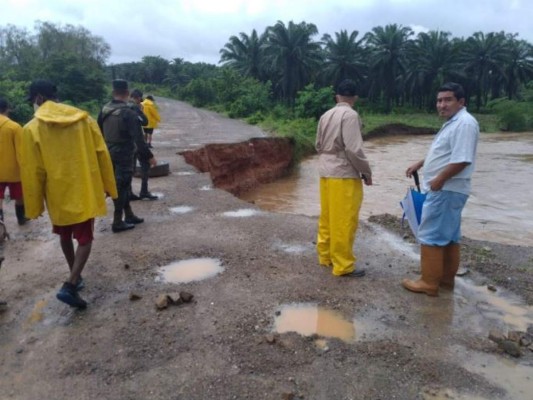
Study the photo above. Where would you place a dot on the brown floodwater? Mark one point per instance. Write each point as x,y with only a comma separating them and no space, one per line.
500,207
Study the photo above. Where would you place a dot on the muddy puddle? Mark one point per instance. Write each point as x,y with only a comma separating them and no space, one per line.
500,208
309,319
514,377
503,307
181,209
243,212
186,271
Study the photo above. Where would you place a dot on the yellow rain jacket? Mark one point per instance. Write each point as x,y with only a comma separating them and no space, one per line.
10,144
150,110
65,163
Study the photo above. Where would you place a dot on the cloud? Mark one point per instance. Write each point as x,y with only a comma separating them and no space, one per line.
196,30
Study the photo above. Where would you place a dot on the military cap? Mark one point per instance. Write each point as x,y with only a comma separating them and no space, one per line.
120,84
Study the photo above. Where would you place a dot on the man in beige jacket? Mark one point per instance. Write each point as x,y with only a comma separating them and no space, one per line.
342,168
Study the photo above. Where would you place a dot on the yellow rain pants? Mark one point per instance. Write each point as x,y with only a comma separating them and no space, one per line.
340,202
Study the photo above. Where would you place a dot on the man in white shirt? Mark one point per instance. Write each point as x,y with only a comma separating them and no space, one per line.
448,169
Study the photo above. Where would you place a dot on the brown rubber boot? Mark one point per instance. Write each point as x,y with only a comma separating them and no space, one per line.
431,263
452,258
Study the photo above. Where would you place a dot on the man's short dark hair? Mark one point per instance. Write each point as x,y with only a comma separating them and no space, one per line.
456,88
120,86
136,93
3,105
42,87
150,97
347,88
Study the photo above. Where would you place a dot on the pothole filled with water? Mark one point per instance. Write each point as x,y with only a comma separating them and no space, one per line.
503,310
190,270
514,376
243,212
309,319
181,209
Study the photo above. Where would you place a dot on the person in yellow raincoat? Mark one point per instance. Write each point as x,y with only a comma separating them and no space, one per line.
151,112
10,139
65,164
342,166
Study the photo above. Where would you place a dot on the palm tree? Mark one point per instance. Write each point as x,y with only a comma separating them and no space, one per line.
292,57
244,53
344,57
387,46
483,57
519,65
431,62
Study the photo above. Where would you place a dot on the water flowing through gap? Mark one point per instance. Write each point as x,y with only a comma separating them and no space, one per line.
500,208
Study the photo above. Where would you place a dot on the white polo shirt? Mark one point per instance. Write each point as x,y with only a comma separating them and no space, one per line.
456,142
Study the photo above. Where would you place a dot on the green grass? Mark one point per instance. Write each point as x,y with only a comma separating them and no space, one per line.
488,123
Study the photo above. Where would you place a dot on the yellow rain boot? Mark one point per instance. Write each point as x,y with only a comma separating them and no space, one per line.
452,258
431,263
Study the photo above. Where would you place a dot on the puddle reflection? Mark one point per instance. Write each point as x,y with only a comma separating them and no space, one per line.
510,375
309,319
181,209
508,310
190,270
243,212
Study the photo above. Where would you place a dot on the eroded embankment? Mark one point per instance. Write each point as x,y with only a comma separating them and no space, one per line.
237,167
398,129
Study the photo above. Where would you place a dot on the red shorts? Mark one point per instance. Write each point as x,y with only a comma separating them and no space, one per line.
82,232
15,190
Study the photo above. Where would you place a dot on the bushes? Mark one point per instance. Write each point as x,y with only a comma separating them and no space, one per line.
312,103
239,97
15,93
513,116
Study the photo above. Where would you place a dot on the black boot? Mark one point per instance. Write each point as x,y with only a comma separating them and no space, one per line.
131,218
145,194
148,195
134,197
19,211
119,225
1,214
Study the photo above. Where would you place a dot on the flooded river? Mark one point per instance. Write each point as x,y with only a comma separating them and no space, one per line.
500,207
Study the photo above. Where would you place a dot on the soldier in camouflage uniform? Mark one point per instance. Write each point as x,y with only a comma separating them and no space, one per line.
123,134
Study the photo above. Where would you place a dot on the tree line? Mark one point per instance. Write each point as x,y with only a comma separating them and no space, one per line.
286,65
391,64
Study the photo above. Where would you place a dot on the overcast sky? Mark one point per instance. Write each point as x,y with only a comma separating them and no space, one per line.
196,30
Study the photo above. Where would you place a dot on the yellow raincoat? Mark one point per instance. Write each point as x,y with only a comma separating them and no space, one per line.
10,144
65,163
150,110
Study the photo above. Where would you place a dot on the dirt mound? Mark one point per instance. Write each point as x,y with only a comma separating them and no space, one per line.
237,167
398,129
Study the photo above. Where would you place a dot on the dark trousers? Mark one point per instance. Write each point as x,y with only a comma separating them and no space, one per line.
123,177
145,171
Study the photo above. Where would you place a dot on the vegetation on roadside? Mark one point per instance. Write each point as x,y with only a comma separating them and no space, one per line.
283,78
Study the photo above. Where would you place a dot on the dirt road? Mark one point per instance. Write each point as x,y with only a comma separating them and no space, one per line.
226,344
